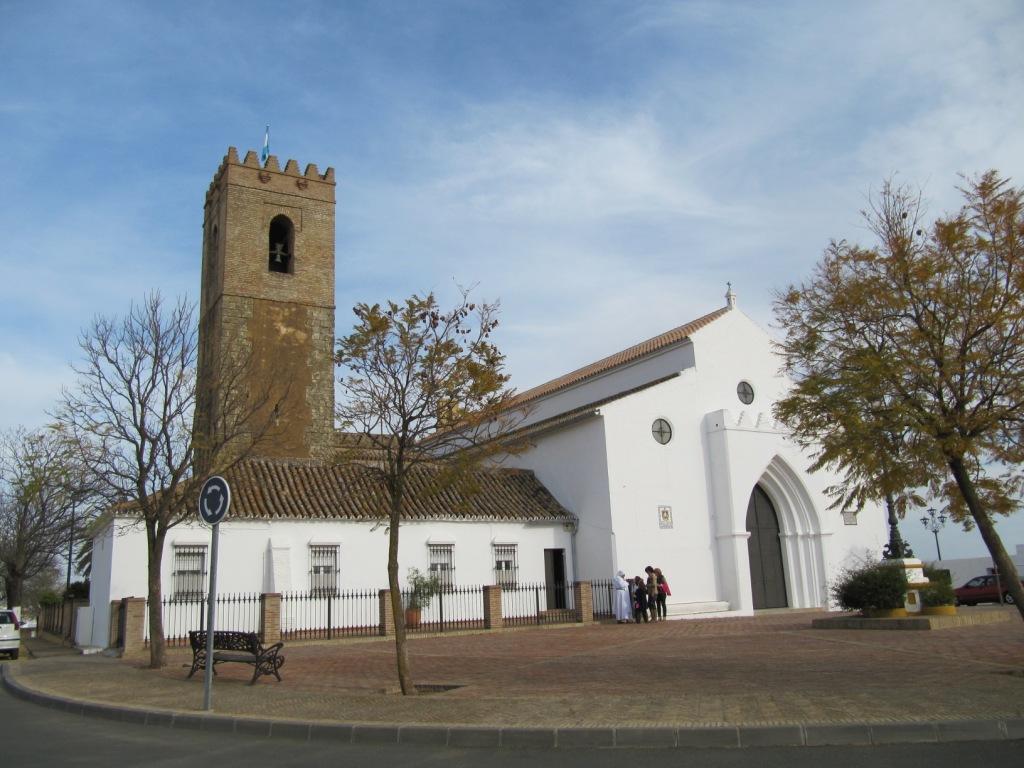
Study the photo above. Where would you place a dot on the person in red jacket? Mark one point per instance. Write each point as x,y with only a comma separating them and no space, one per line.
663,593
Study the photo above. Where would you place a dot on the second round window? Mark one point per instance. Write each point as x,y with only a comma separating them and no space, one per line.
661,430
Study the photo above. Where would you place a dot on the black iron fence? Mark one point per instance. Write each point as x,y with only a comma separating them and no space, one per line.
523,604
451,608
239,612
356,613
350,613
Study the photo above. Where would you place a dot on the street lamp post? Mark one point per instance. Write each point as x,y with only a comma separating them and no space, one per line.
934,523
897,548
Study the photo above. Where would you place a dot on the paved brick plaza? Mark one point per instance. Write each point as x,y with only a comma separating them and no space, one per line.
770,669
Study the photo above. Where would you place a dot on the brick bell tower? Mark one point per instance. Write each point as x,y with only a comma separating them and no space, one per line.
266,317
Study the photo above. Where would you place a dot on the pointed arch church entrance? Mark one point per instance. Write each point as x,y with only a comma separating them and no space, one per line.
767,575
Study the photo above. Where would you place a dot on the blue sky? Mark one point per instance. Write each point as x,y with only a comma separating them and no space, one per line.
602,167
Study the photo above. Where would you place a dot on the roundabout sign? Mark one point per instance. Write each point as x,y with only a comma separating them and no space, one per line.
214,500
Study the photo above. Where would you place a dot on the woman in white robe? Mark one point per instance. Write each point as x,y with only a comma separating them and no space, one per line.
620,597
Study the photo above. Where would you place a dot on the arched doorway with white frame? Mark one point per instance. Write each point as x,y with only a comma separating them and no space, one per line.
780,500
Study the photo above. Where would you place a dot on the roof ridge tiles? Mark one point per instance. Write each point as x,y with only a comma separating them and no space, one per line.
613,361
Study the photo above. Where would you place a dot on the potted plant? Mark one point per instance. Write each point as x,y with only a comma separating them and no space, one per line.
875,589
422,588
938,598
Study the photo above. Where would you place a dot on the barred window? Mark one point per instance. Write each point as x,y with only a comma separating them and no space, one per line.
506,565
323,569
189,571
442,564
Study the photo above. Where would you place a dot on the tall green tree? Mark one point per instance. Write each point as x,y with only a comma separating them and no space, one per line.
425,390
918,337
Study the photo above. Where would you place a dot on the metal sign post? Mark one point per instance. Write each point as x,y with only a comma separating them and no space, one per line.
214,500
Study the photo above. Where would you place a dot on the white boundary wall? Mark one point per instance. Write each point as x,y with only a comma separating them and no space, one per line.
962,569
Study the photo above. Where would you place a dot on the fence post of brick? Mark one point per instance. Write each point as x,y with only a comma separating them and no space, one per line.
67,611
134,625
387,616
583,596
115,616
270,617
493,618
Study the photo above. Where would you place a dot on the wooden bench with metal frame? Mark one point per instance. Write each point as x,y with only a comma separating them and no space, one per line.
242,647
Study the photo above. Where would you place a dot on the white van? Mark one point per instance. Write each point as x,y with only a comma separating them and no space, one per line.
10,634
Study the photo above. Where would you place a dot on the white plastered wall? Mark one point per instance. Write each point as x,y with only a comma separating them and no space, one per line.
614,472
572,464
259,556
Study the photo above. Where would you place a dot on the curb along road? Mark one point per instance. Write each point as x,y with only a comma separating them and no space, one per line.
682,737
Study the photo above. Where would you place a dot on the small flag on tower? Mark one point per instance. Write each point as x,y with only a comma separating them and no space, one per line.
266,146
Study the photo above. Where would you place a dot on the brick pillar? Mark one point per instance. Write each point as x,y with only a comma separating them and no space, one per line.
583,596
115,612
493,618
270,618
67,610
387,616
134,625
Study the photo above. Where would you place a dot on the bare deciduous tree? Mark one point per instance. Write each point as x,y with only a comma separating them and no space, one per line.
131,415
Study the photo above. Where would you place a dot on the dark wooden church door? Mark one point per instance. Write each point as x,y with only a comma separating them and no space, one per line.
767,577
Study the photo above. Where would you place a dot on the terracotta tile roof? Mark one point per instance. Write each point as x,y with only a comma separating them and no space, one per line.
582,412
266,489
629,355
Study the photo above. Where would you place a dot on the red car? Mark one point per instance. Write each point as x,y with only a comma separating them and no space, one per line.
982,589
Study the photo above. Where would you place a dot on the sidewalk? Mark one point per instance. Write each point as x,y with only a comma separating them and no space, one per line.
769,673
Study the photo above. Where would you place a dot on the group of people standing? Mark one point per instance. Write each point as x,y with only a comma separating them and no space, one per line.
639,599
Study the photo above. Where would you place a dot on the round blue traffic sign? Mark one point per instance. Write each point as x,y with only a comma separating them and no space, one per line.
214,500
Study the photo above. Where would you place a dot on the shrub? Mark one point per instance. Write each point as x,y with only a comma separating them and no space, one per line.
940,589
934,574
422,588
78,590
873,585
938,593
49,597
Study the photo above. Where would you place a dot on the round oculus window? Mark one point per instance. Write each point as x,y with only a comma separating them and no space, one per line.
745,392
661,430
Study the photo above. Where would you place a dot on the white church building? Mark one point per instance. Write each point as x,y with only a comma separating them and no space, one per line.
667,454
662,454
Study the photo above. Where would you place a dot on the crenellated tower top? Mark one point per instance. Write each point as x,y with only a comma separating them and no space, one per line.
269,176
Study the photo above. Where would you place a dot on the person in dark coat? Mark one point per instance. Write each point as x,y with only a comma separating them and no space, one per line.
640,602
652,592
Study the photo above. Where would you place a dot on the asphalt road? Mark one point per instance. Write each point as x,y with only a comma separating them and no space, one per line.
35,736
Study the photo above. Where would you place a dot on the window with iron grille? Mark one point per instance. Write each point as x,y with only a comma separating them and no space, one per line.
442,564
506,565
323,569
189,571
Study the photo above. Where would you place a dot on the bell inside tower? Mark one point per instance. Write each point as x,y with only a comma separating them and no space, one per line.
281,243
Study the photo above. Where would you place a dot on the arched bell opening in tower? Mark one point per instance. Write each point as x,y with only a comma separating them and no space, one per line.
282,237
